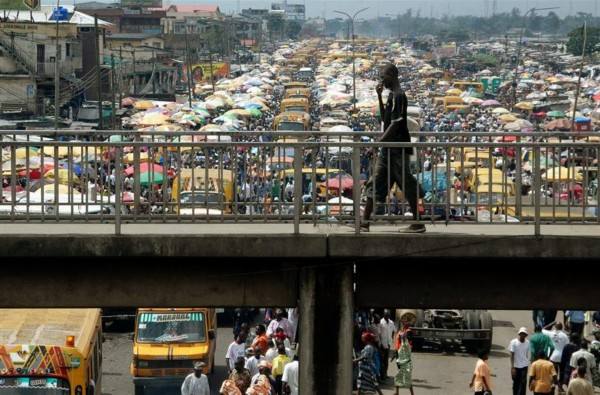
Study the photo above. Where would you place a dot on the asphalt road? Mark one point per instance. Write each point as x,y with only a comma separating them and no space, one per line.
435,371
117,348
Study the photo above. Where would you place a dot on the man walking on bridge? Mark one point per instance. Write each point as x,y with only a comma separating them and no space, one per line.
393,164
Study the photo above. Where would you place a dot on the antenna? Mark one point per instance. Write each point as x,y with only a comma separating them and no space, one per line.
494,7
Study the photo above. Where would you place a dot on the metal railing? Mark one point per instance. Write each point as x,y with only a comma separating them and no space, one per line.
219,177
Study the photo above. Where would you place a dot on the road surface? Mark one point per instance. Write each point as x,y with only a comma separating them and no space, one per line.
435,372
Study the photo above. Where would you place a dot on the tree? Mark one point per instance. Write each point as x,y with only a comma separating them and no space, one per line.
293,29
575,43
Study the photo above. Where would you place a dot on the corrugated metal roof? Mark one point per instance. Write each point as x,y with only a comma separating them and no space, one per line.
44,15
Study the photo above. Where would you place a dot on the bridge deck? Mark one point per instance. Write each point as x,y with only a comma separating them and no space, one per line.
278,240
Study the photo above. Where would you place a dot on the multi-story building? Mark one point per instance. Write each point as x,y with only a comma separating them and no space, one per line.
126,20
292,12
28,57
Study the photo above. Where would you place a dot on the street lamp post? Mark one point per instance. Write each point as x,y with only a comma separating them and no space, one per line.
351,18
515,74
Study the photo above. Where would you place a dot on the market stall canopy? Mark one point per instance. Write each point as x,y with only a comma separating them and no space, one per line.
500,110
524,105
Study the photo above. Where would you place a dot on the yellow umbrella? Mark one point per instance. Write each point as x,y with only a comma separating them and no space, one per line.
524,105
239,112
143,105
63,176
500,110
129,157
453,92
63,152
507,118
21,153
154,119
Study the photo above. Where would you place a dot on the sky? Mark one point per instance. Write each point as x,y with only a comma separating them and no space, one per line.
435,8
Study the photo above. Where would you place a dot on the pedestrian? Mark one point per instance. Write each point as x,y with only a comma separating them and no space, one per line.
393,164
272,351
279,322
559,340
481,382
387,328
519,361
196,383
540,342
576,320
261,341
367,373
565,360
279,363
254,357
403,378
579,385
291,377
236,349
262,383
240,375
542,375
589,359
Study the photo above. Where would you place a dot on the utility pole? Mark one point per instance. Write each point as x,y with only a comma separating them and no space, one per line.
57,73
134,75
153,71
112,90
98,74
121,77
212,79
189,68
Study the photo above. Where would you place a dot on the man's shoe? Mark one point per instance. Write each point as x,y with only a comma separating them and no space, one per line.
365,227
414,228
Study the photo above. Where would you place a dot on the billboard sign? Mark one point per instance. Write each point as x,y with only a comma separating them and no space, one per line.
201,71
141,3
21,5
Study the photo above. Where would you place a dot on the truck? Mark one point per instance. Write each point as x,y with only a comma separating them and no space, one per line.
471,329
167,342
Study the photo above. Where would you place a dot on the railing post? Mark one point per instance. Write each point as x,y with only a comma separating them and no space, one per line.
118,195
518,180
537,185
355,185
298,151
137,190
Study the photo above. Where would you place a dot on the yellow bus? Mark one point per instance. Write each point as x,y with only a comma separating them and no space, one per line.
220,182
295,104
292,121
466,85
167,342
50,351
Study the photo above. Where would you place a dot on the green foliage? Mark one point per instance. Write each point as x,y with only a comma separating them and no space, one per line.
575,43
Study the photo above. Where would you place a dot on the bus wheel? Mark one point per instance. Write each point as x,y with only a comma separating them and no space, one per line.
139,390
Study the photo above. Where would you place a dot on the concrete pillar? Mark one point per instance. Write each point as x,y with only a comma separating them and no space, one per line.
326,310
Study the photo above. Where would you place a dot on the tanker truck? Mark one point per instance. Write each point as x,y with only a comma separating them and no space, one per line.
448,328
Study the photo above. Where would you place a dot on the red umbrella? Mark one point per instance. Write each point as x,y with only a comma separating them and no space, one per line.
596,97
145,168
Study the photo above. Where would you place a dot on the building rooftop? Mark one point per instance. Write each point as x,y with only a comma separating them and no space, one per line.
96,5
44,15
130,36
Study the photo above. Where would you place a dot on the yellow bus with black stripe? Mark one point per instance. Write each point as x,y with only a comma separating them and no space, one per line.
50,351
167,342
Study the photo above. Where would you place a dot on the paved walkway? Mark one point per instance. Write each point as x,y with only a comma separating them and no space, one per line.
7,228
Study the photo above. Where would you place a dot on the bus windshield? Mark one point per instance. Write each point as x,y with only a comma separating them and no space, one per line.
180,327
291,126
33,386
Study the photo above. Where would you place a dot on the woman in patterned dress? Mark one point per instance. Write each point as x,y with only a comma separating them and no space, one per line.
367,372
403,378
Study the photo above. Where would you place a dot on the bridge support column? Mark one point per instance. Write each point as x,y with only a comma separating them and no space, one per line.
326,309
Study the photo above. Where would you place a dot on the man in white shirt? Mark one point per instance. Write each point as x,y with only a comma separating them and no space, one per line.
589,359
235,350
290,377
196,383
519,361
386,334
253,360
280,322
560,340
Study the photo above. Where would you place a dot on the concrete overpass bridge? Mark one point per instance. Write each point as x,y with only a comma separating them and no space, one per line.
326,270
70,246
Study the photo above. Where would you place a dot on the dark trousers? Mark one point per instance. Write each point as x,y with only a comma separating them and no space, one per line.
385,355
577,327
393,166
278,385
520,381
